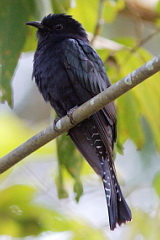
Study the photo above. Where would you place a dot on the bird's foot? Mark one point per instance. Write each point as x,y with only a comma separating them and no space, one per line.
55,122
70,114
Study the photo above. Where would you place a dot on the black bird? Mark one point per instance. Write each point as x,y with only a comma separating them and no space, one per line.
68,72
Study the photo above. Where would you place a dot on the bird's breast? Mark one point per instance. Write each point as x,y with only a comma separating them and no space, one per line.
53,80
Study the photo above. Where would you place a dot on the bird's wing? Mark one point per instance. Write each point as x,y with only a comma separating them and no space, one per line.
86,70
86,66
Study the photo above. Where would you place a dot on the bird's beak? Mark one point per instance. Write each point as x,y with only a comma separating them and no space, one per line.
35,24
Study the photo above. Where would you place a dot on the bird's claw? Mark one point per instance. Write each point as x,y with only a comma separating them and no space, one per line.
70,114
55,122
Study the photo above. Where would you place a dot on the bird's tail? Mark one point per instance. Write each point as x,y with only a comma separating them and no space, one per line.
118,209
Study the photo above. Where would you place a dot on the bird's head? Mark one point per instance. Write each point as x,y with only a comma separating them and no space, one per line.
59,26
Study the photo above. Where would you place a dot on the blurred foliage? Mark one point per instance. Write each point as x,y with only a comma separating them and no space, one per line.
19,216
13,36
14,131
142,101
90,13
156,183
71,160
60,6
146,226
158,7
111,9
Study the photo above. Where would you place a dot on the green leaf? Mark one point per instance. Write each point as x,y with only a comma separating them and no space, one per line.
18,217
60,6
158,7
128,115
71,160
13,15
85,12
78,189
111,9
127,41
142,101
156,183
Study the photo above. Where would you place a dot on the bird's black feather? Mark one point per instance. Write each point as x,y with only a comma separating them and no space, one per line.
68,72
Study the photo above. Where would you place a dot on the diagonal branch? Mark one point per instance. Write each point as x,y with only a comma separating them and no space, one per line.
81,113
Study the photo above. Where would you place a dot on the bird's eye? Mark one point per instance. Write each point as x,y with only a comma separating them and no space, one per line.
59,26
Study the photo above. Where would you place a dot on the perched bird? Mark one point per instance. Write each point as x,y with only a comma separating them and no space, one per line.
68,72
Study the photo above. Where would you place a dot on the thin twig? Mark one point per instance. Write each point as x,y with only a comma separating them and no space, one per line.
99,20
81,113
140,43
144,40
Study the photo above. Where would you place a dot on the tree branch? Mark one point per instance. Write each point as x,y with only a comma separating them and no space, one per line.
81,113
